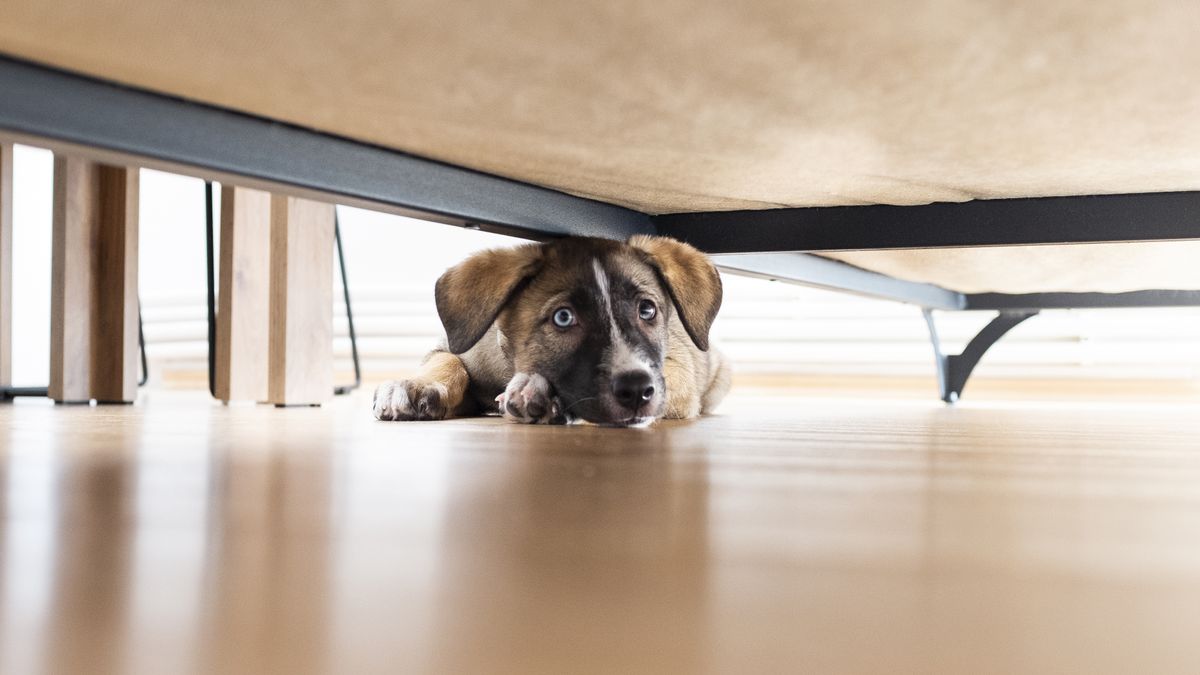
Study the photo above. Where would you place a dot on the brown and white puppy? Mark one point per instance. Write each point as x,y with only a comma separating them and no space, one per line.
576,329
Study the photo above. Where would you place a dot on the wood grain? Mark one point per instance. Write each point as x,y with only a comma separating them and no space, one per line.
787,534
6,262
93,310
301,330
75,221
245,292
115,288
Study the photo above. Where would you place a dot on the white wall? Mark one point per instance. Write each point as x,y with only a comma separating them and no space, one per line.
393,262
32,176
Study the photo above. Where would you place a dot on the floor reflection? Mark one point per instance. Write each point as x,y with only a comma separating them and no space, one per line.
175,538
266,583
558,539
89,608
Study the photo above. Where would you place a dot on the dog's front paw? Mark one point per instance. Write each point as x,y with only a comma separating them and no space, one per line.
530,399
411,400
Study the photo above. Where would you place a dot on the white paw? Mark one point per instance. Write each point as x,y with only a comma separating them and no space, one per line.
411,400
530,399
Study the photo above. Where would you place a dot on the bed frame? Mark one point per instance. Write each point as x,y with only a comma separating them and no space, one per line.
116,124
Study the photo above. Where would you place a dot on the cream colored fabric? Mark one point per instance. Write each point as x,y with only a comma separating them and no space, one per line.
1097,268
669,105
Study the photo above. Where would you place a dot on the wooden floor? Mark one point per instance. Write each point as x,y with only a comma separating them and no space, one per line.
787,535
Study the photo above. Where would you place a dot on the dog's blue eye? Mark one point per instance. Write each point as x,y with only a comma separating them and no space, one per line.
564,317
647,310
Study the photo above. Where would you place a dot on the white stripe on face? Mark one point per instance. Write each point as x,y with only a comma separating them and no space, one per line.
624,358
605,299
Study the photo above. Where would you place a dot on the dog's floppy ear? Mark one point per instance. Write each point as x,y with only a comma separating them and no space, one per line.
691,279
471,294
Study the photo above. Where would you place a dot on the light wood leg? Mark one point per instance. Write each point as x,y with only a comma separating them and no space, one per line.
6,262
93,308
243,307
74,225
301,332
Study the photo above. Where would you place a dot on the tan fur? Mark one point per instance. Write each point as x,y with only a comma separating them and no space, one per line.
720,379
697,377
692,280
696,380
471,294
437,391
520,320
449,370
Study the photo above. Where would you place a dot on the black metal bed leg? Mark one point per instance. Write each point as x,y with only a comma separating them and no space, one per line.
142,349
953,370
212,288
337,238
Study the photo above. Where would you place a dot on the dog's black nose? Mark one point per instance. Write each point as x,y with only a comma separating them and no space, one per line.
633,388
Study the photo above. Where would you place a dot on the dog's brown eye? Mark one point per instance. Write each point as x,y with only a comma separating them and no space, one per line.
646,310
564,318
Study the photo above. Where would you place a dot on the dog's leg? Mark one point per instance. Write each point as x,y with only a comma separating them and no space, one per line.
434,394
529,399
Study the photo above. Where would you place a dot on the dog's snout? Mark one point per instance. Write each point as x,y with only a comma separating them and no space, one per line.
633,388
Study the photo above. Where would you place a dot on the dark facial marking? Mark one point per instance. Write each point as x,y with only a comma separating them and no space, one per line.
609,332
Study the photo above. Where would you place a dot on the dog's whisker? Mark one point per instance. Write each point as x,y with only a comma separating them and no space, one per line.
578,401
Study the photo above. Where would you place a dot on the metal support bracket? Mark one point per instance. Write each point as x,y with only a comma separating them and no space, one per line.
953,370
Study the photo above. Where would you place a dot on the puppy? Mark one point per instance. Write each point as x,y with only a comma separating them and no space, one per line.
576,329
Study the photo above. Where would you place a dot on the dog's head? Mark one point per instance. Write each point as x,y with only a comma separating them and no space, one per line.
589,315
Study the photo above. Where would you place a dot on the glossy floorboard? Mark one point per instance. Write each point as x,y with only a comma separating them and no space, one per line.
788,535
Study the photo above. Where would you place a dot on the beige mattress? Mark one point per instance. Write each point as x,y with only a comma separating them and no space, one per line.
672,106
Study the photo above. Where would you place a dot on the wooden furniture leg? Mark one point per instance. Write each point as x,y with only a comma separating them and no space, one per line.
300,370
243,306
93,308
